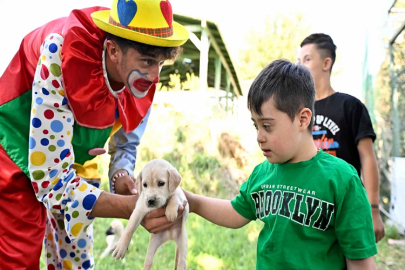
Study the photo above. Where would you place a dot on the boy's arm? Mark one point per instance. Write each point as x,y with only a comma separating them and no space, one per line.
353,223
217,211
367,263
371,182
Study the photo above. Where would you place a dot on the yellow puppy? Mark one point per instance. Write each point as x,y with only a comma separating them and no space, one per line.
158,185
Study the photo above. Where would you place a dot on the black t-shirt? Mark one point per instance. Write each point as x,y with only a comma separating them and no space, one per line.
340,122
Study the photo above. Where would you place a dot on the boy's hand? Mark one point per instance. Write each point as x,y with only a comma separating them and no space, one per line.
156,221
125,185
189,197
378,225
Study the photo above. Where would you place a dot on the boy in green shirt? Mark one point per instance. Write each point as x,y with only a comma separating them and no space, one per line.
315,210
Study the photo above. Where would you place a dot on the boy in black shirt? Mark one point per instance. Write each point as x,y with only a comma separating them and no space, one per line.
342,125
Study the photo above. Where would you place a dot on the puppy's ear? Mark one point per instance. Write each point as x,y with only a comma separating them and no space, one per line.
138,184
174,179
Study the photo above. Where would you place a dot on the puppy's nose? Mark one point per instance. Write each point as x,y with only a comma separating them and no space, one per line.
151,201
109,231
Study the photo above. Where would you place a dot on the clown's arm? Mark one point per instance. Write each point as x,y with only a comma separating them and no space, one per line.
51,153
123,149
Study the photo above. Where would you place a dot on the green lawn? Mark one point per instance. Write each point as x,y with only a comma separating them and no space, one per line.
390,257
210,247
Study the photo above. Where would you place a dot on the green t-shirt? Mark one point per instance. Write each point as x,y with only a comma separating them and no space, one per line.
315,213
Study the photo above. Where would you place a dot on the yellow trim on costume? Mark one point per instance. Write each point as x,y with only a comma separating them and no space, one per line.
116,127
89,169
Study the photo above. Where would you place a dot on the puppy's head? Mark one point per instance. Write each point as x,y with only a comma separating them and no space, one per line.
116,228
157,182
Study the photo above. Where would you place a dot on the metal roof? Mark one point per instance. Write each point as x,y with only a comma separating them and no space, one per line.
189,61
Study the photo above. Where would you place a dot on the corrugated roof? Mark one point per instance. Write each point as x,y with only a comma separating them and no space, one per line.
192,56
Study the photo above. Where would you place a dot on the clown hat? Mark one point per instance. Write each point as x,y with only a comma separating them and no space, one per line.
145,21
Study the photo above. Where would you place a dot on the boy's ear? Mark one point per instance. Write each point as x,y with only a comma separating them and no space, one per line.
305,117
327,64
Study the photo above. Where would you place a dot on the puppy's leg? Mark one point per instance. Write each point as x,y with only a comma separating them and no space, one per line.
133,223
176,262
172,207
110,245
181,242
156,240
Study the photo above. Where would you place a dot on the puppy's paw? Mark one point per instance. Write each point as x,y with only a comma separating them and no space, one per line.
119,250
171,212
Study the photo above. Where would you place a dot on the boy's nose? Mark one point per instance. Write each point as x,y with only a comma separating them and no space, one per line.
260,137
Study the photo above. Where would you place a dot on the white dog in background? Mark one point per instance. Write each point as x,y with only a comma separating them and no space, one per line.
158,185
113,233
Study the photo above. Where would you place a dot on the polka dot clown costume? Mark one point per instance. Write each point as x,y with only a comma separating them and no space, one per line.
57,110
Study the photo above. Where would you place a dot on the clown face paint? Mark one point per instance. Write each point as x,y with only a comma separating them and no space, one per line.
139,84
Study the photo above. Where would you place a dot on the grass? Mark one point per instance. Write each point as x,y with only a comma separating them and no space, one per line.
210,247
390,257
190,144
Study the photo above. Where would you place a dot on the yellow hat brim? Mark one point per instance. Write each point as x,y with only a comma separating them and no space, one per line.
179,37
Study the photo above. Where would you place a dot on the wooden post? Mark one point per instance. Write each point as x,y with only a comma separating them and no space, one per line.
228,86
204,48
218,68
394,101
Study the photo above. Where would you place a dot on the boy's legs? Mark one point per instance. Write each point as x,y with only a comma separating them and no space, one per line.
22,218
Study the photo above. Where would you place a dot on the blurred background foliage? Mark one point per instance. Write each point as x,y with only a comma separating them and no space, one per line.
215,151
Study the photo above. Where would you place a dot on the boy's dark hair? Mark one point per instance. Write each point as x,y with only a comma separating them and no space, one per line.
324,44
170,53
290,85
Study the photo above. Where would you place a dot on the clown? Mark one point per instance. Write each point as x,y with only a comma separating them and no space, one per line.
73,84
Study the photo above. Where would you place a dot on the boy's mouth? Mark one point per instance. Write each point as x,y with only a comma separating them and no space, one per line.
266,152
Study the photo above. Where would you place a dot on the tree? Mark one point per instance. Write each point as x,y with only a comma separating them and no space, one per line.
280,38
384,111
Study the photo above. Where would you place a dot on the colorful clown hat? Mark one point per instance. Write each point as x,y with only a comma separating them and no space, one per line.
145,21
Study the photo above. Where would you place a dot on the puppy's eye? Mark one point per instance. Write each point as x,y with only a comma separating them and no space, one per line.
145,185
161,184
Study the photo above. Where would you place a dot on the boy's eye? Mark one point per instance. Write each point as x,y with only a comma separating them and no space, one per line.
255,126
161,184
145,185
266,127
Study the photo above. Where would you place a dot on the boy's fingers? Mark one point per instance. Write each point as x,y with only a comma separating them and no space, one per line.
181,208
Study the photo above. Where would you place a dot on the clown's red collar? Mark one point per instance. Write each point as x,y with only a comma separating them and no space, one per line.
90,99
